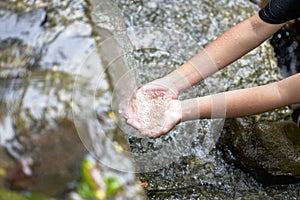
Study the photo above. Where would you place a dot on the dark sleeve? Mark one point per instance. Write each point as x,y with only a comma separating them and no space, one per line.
280,11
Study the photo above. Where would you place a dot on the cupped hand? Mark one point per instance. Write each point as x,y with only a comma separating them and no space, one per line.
154,110
163,85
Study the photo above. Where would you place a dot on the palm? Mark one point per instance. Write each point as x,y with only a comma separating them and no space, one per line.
154,110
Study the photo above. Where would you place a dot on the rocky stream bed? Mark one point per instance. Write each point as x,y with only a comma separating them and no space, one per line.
64,65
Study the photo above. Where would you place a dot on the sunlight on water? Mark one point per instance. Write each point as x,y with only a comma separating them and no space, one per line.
143,54
186,156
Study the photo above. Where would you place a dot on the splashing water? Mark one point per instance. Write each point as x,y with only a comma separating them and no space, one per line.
150,108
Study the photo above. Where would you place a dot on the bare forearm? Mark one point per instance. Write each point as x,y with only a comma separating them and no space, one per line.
239,40
239,103
227,48
251,101
289,89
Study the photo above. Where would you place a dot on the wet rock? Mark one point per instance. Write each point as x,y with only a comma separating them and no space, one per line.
286,46
269,151
5,162
54,90
199,163
49,160
23,25
17,42
39,70
296,114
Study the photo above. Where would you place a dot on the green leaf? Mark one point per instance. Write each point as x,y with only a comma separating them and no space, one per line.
84,190
112,185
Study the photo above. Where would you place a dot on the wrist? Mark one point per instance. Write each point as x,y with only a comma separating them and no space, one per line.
168,82
177,81
189,110
205,107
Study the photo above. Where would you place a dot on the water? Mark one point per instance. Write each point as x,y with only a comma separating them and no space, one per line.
57,86
189,166
55,100
149,109
161,55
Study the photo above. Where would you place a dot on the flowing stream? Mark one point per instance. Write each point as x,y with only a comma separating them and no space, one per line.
184,164
69,68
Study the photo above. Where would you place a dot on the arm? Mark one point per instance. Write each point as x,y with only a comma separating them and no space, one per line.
227,48
239,103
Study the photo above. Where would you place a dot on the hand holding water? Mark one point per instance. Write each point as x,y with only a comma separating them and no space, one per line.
161,85
154,109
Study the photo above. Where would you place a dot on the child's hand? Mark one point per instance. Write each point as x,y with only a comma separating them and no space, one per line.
162,84
154,110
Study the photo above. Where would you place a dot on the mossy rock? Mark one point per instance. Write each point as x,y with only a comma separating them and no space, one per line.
268,150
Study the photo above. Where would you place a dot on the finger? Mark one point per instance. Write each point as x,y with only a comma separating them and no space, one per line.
125,115
144,134
134,124
156,135
163,131
173,95
149,88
